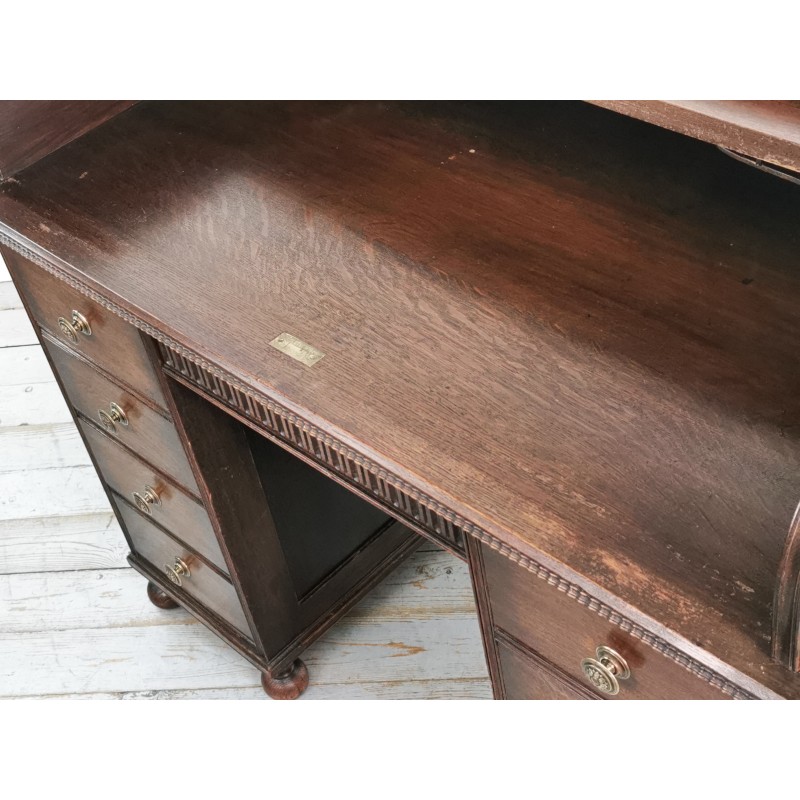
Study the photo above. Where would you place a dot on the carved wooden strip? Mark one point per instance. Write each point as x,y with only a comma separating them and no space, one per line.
204,373
305,438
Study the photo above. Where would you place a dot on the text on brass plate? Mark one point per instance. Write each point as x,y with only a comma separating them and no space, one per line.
297,349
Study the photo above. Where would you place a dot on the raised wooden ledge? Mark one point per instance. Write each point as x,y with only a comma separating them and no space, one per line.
768,130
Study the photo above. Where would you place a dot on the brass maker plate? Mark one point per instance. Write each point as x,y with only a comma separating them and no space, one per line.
297,349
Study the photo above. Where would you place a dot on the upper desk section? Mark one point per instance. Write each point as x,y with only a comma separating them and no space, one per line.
576,332
31,129
767,130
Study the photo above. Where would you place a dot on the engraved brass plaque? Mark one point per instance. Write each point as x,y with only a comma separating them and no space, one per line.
297,349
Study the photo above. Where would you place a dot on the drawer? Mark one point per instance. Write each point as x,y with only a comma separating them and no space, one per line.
147,432
113,343
175,510
202,583
528,678
565,633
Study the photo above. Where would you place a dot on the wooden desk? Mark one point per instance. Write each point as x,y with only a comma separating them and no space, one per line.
557,341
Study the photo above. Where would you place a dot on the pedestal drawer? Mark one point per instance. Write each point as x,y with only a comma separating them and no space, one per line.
168,505
566,633
529,678
185,570
141,428
86,326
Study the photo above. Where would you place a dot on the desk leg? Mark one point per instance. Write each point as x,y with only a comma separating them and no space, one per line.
288,685
159,598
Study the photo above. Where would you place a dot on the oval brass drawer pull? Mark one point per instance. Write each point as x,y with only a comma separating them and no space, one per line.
606,670
70,328
177,571
146,499
111,418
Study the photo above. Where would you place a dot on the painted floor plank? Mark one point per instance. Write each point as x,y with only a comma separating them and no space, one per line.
9,298
28,447
189,656
15,328
425,586
23,366
53,544
451,689
38,492
32,404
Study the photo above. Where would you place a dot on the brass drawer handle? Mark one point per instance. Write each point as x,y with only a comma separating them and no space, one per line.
175,572
606,670
146,499
70,328
111,418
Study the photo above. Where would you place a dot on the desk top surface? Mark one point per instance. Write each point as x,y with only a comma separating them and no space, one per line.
575,330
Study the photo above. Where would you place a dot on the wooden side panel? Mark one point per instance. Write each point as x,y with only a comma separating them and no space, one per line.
285,619
32,129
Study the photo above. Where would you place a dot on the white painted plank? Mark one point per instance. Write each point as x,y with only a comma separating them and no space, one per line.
36,403
9,298
43,492
190,657
445,689
16,329
116,598
28,447
24,366
144,652
50,544
4,275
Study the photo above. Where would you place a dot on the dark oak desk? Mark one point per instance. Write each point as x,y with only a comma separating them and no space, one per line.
557,341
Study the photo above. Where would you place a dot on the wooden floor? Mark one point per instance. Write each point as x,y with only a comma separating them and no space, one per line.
74,618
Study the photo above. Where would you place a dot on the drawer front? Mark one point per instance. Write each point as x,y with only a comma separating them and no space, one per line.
113,343
147,432
565,633
203,584
528,678
176,511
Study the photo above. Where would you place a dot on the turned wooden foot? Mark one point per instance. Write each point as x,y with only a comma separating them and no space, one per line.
287,686
158,597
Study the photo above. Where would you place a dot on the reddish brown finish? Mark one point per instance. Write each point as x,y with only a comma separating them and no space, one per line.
205,585
284,619
525,677
576,343
179,513
114,345
559,630
287,686
31,129
148,433
768,130
159,598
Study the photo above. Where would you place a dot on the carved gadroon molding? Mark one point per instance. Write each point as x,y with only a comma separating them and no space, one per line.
400,498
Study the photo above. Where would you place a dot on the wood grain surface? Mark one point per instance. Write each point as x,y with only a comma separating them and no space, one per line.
31,129
577,331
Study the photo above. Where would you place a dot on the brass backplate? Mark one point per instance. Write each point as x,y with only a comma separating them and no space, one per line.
297,349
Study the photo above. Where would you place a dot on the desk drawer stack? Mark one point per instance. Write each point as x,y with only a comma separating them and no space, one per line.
179,520
111,383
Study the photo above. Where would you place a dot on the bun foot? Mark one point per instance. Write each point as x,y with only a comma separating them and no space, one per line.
158,597
287,686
